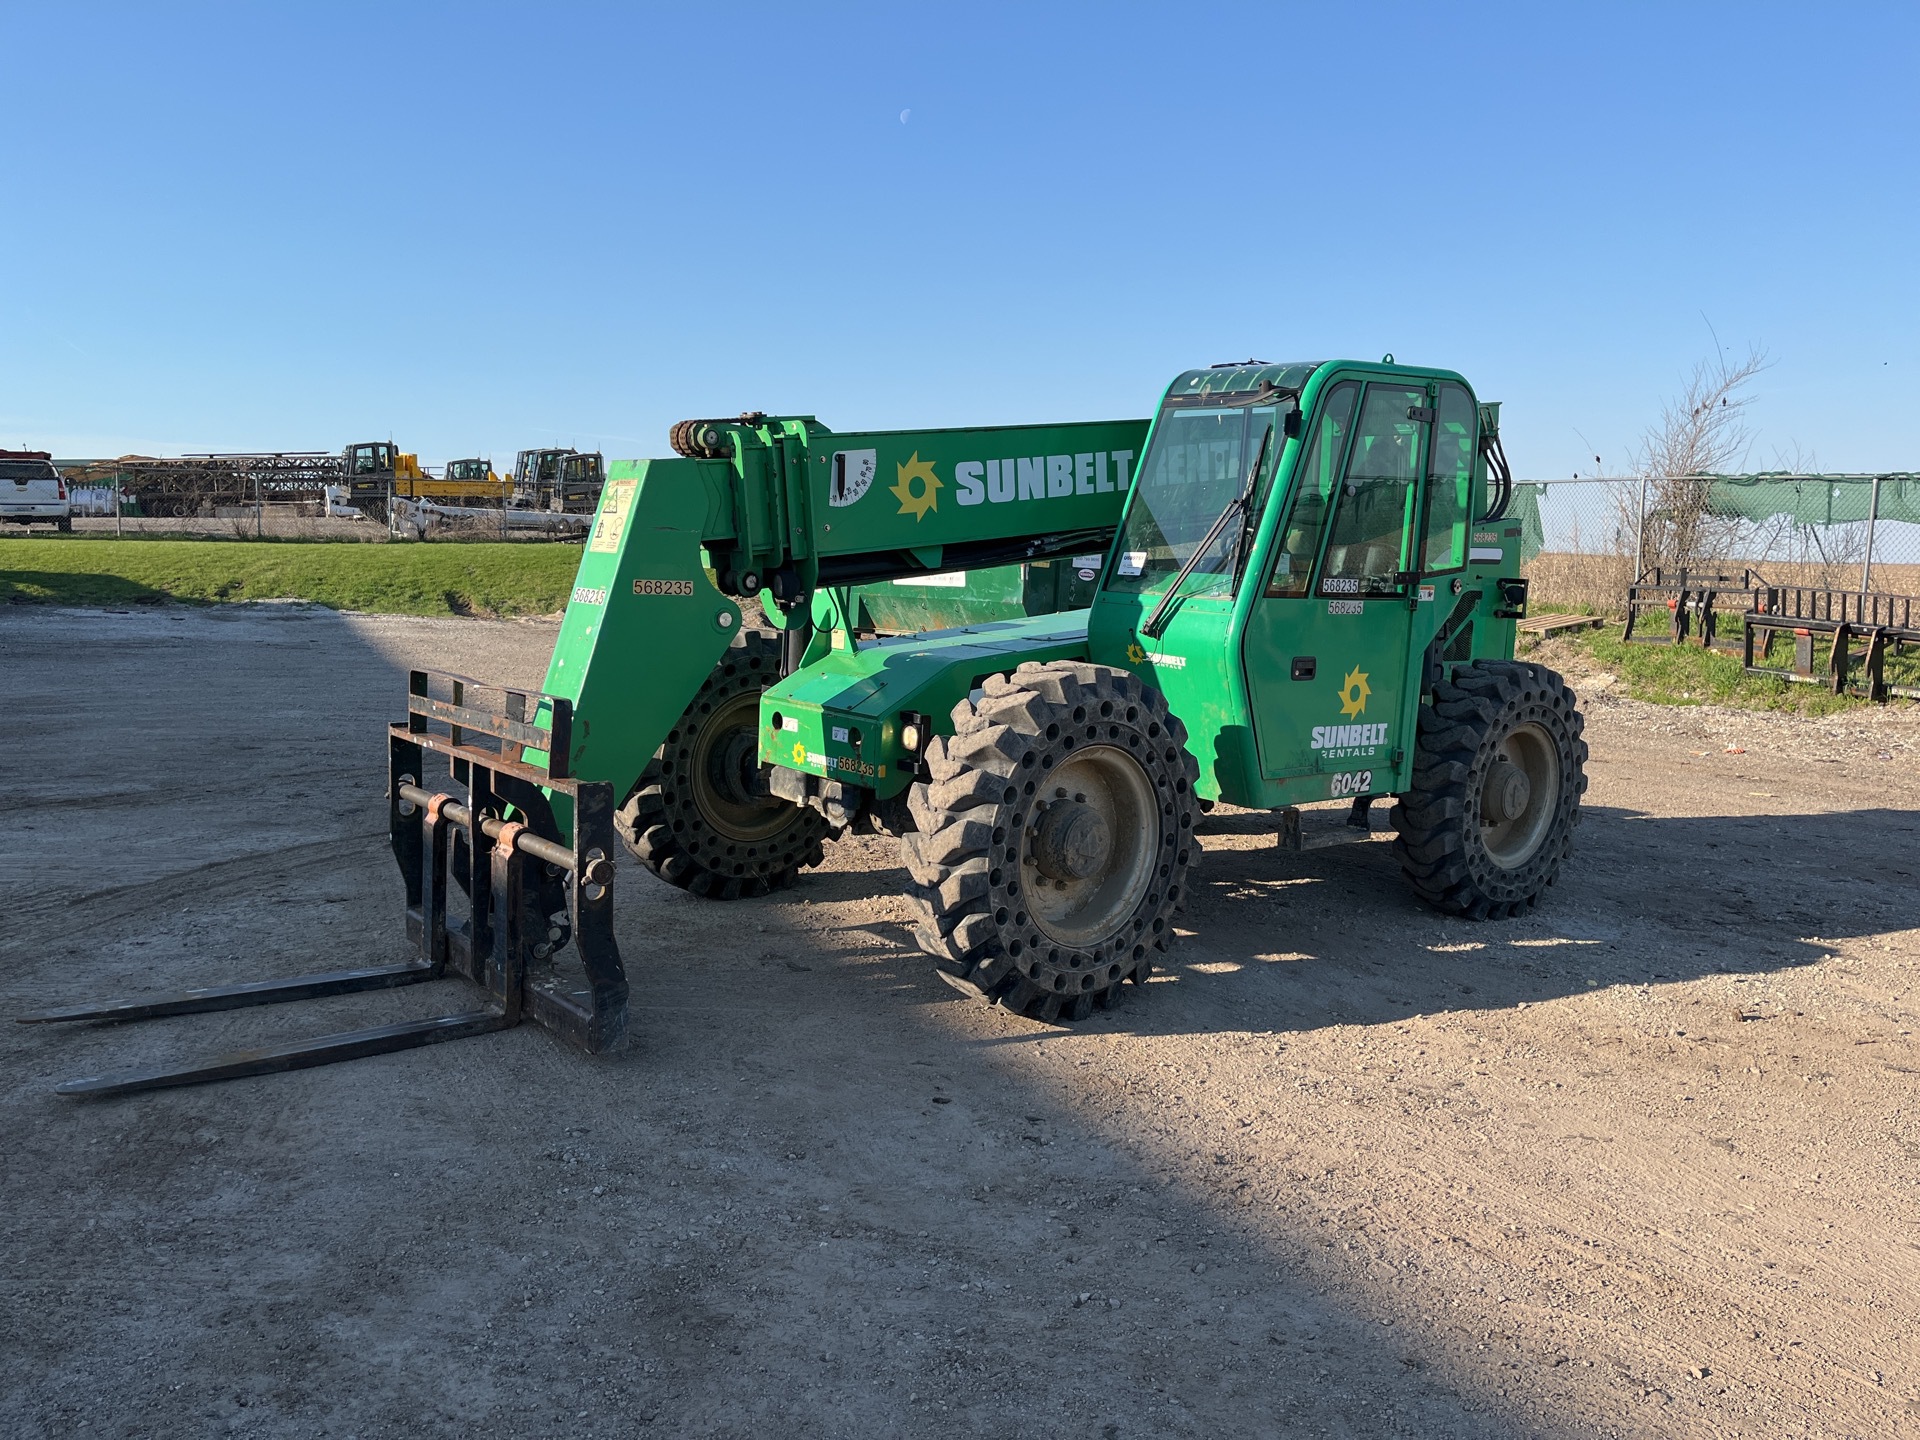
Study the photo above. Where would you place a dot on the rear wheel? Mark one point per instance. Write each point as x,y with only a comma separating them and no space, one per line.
1054,838
1498,773
701,816
64,525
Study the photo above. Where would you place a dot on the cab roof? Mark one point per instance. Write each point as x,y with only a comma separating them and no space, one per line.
1289,375
1253,375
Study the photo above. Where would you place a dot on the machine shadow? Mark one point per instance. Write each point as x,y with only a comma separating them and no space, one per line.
44,587
1279,941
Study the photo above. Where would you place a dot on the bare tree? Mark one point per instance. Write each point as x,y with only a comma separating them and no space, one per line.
1704,431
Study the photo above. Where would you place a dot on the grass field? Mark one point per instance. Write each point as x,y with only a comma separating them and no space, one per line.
1689,675
479,579
535,579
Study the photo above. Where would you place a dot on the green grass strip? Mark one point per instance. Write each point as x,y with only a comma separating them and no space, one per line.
478,579
1690,675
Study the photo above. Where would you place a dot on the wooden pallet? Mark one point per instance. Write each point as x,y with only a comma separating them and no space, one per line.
1547,624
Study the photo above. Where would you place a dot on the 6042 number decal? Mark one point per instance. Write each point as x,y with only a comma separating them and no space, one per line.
1354,782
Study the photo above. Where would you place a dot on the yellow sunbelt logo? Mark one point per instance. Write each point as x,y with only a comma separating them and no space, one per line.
916,503
1354,693
1340,740
1138,656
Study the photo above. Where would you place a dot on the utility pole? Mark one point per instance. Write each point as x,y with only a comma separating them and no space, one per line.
1873,515
1640,531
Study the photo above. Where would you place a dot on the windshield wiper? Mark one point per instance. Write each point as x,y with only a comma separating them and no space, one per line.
1238,505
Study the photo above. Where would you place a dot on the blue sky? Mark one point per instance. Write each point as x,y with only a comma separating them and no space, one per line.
481,228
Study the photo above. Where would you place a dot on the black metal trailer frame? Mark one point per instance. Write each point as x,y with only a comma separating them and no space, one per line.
1693,598
1804,611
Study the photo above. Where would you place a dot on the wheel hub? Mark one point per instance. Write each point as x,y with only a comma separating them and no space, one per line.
1506,793
734,769
728,788
1520,796
1093,847
1071,841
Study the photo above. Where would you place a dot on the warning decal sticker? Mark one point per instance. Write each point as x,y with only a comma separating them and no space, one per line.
614,509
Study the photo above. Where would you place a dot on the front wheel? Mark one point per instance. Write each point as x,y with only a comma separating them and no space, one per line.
1054,838
1498,773
701,816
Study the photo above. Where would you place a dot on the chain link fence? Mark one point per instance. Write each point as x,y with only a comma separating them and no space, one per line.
1583,542
103,510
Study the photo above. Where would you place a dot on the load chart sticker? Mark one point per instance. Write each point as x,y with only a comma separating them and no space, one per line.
853,472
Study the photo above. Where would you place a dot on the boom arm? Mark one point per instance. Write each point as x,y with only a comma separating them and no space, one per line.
785,507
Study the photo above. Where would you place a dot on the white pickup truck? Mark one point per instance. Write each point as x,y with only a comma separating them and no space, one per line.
31,490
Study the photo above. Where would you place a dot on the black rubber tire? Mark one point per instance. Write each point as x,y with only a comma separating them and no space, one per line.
1440,844
64,525
965,858
669,829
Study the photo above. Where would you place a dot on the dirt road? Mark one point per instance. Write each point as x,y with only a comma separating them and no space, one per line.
1640,1164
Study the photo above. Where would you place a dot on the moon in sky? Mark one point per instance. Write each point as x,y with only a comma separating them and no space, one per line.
903,116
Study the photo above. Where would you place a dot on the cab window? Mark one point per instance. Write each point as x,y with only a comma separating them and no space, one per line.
1299,534
1376,505
1196,465
1451,482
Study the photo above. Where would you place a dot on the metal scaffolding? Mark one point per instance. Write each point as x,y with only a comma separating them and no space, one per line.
201,484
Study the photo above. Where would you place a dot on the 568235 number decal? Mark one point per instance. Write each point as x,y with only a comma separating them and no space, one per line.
663,587
1354,782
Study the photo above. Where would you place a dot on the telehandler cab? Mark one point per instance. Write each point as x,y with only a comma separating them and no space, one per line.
563,480
1300,588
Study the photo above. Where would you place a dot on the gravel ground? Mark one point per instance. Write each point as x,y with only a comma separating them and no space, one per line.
1639,1164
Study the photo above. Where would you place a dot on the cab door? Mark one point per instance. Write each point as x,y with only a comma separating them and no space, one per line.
1327,637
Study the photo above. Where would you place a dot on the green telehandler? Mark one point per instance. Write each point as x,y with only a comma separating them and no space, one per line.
1293,585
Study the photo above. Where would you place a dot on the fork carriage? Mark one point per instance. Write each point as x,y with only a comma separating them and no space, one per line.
493,894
